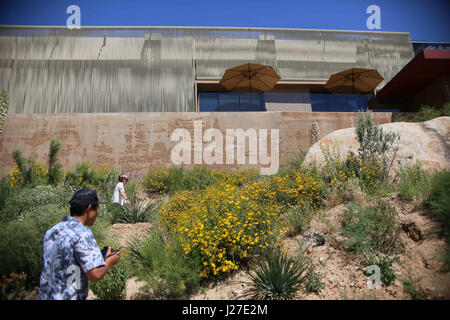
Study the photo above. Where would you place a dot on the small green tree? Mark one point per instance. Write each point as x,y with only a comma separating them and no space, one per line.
54,168
375,143
25,166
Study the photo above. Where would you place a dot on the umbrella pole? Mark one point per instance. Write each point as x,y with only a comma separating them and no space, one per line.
249,80
353,83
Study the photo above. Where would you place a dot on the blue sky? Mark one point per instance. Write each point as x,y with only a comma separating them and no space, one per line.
426,20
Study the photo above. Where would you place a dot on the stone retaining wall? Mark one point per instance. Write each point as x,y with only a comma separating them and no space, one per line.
137,142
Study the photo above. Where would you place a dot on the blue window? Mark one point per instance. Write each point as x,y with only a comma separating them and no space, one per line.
228,101
339,102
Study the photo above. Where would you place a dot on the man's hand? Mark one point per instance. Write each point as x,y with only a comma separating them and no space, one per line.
112,258
98,273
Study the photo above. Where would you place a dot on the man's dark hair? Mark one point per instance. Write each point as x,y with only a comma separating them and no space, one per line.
78,211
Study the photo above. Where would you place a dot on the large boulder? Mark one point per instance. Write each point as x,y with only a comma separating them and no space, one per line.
427,142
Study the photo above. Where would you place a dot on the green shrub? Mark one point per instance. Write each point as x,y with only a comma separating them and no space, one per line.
439,202
196,179
162,263
410,286
164,180
113,285
174,181
5,193
370,229
28,200
101,178
413,182
445,111
293,164
21,242
30,173
339,171
21,236
375,143
297,218
54,169
312,282
79,176
25,167
277,276
426,113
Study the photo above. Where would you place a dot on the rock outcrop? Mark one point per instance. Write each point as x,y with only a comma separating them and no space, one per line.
427,142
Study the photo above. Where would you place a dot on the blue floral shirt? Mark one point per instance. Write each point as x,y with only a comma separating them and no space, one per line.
69,250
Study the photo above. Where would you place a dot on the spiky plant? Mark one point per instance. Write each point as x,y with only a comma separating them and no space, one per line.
136,212
277,276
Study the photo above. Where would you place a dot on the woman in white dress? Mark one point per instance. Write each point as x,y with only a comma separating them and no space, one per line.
119,195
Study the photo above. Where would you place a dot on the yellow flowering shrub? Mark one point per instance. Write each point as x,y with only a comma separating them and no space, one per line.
237,178
15,176
155,180
223,223
338,170
298,187
39,173
370,175
176,179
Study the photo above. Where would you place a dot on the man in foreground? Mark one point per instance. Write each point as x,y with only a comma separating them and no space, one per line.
70,255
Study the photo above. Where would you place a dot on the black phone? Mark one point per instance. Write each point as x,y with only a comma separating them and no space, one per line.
105,249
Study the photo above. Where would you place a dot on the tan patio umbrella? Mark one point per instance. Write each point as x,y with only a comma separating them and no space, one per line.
250,77
355,80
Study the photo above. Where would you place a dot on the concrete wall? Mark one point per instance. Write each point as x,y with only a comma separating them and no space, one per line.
137,142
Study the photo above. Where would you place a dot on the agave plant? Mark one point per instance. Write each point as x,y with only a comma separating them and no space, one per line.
277,277
136,212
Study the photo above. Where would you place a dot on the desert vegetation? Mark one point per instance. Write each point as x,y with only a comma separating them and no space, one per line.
207,225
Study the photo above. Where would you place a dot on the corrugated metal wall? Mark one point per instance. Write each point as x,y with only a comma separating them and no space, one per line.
151,69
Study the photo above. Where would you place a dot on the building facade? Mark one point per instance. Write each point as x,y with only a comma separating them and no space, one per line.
176,69
121,95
